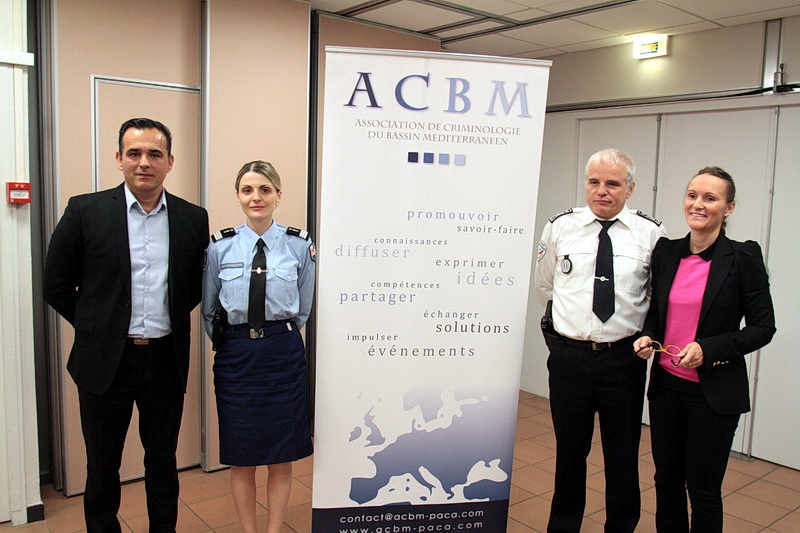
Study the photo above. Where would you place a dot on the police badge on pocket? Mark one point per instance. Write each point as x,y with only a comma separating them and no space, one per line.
566,265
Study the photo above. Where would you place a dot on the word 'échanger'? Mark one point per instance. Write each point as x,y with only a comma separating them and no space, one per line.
457,99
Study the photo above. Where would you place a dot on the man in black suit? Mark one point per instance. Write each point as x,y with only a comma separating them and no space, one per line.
124,267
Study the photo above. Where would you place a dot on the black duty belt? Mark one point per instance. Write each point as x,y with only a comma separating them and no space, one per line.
270,328
560,340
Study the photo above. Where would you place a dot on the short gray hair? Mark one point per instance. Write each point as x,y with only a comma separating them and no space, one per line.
613,156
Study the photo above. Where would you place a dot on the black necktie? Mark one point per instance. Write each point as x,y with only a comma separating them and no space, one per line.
258,288
603,303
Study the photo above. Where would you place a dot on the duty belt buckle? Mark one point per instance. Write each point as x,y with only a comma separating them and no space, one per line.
257,333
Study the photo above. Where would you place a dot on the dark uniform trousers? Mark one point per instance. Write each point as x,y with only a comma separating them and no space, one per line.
148,377
611,383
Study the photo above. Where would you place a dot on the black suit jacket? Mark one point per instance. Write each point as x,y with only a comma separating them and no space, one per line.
88,280
737,287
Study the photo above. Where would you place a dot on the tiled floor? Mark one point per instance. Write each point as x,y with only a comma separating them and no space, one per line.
759,496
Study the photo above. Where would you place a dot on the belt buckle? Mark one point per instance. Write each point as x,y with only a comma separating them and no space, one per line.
138,341
257,333
597,346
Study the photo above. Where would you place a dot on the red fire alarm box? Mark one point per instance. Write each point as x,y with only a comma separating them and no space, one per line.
18,192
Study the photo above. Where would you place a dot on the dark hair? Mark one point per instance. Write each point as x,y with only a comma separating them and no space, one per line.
260,167
143,124
730,187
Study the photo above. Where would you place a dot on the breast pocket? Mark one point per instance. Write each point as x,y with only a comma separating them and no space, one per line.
285,282
631,268
574,264
231,290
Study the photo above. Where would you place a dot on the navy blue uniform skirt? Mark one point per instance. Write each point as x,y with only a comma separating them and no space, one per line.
262,400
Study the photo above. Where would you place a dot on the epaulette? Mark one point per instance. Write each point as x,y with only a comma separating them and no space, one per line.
648,217
223,233
561,214
303,234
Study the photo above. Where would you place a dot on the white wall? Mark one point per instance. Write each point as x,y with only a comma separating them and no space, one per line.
726,146
19,462
725,60
610,74
702,62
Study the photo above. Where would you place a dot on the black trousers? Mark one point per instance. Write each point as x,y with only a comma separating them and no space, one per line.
610,383
691,445
148,377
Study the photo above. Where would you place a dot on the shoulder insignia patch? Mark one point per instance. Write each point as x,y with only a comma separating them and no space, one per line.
561,214
541,250
648,217
303,234
222,234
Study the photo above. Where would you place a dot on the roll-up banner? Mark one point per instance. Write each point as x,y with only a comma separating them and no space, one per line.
430,173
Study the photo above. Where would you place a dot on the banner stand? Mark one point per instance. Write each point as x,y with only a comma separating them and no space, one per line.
430,172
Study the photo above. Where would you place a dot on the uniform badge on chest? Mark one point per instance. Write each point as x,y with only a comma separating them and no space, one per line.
566,265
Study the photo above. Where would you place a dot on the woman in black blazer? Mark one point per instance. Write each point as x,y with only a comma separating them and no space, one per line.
702,287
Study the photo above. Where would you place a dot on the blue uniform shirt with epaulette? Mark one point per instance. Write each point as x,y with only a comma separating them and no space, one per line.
291,274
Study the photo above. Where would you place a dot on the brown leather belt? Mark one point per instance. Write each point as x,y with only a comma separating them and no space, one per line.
141,341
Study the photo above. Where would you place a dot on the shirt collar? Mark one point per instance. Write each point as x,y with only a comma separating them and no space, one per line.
130,201
269,237
705,255
624,216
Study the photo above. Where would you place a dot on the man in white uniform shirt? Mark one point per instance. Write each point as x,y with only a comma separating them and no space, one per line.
593,263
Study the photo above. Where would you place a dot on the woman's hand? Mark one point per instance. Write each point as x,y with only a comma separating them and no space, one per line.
642,348
691,356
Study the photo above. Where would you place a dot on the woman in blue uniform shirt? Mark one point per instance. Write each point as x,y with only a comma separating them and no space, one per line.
260,377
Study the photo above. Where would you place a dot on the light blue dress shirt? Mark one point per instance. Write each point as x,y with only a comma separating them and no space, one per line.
290,276
148,240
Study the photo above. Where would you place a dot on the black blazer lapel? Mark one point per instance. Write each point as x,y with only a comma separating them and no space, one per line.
119,221
721,263
173,219
672,259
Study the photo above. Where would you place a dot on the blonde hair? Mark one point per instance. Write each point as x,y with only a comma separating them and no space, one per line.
260,167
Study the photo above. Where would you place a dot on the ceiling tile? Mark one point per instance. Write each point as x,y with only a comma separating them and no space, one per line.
763,15
490,45
556,33
590,45
334,6
413,16
561,6
471,28
684,28
637,17
603,27
527,14
717,9
539,54
496,7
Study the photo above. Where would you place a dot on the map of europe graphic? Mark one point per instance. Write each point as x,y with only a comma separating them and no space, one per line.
442,447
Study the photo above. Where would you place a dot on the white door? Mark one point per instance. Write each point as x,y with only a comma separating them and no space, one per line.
739,141
776,434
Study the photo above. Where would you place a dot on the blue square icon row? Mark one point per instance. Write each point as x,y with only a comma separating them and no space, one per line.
443,159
